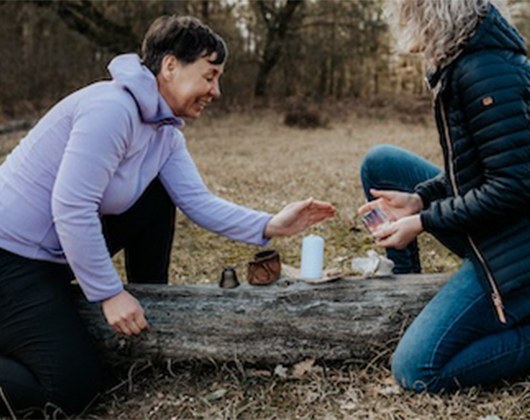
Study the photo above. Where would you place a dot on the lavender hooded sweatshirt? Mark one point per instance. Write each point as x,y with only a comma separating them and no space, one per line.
93,154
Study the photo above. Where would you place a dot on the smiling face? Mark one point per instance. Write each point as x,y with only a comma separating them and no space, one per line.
189,87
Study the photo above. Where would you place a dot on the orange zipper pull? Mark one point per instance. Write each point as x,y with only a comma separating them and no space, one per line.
499,307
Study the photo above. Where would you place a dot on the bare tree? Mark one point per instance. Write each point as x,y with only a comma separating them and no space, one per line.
82,16
205,10
277,20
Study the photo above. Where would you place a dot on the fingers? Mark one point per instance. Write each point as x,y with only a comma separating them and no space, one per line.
131,326
142,323
318,214
134,327
313,205
123,328
322,205
298,206
386,243
321,214
397,235
297,216
308,202
385,236
125,314
316,211
370,205
317,218
392,241
388,194
384,231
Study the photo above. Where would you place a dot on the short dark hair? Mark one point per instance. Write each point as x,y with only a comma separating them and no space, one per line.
184,37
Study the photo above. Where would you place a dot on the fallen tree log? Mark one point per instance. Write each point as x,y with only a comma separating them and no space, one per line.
349,319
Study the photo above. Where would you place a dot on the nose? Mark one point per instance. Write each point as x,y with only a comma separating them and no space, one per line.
216,89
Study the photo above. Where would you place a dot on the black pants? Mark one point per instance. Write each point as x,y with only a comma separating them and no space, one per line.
46,354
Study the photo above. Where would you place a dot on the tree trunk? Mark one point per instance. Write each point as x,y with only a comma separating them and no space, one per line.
348,319
84,18
205,11
277,23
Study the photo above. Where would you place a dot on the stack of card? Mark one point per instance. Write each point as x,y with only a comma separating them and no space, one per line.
374,218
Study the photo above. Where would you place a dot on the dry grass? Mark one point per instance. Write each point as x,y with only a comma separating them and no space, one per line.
255,160
222,392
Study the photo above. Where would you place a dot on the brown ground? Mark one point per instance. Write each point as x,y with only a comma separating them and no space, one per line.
254,160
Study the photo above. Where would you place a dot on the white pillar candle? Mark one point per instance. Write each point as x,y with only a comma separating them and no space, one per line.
312,257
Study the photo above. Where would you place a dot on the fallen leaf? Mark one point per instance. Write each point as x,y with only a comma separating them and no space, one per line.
393,390
303,367
349,406
259,373
280,371
216,395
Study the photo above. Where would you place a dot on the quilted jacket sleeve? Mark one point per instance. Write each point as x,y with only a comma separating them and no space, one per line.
432,189
494,94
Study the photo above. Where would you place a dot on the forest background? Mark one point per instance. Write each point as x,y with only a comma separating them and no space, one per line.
328,65
300,50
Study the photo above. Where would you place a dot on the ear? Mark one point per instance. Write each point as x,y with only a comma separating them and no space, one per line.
169,67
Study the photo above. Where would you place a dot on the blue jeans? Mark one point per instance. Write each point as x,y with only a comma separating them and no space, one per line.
457,340
391,168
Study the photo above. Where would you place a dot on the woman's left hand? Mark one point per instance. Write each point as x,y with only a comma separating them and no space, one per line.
298,216
400,233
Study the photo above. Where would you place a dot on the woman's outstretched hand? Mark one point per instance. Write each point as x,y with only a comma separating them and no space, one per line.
298,216
395,204
124,313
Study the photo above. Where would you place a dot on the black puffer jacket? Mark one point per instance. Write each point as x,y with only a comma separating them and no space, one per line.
482,108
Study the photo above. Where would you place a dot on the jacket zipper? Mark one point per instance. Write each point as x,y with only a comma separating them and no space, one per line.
495,295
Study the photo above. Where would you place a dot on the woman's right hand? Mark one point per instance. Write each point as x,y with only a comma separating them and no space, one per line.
125,314
395,204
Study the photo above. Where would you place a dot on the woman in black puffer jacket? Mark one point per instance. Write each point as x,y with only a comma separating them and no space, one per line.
476,330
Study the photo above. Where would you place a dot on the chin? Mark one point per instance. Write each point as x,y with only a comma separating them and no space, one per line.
193,114
189,115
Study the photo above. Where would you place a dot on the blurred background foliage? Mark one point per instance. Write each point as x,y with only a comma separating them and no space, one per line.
280,50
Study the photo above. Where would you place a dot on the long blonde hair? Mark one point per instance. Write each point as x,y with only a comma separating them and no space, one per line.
437,28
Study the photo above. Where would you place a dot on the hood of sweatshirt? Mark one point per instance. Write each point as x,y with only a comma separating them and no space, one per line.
128,72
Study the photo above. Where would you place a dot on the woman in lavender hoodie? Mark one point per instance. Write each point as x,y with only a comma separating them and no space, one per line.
103,170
